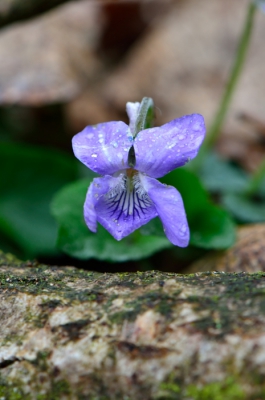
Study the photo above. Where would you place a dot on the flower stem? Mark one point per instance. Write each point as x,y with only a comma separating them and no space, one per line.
256,179
243,45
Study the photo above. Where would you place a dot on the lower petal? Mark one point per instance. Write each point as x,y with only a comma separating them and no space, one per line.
170,209
124,207
90,214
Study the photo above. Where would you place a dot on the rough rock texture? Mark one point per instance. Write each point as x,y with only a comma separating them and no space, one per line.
73,334
246,255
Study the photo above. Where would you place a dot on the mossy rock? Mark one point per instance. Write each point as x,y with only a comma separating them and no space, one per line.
73,334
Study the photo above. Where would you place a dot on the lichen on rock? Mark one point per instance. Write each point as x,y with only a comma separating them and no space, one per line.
73,334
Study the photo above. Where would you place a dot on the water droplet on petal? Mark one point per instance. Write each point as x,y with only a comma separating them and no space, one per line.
196,127
183,228
94,155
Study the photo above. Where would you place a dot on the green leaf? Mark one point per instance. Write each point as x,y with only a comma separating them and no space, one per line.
210,226
29,179
243,208
75,239
218,175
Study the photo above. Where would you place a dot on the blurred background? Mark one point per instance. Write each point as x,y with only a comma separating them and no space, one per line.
68,64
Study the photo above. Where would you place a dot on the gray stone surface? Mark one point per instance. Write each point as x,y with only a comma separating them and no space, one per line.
73,334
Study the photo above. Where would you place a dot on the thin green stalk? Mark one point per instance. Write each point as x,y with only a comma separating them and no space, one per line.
145,118
256,179
215,128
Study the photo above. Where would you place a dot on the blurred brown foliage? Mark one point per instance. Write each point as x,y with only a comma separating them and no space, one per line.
246,255
94,56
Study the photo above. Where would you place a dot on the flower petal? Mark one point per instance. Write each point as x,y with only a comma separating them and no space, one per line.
104,147
132,111
89,210
160,150
170,209
121,210
95,190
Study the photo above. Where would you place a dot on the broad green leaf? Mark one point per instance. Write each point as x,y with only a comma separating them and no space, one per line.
243,208
29,178
210,226
75,239
8,246
218,175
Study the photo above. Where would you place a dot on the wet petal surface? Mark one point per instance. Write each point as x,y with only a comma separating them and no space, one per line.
160,150
97,188
104,147
170,209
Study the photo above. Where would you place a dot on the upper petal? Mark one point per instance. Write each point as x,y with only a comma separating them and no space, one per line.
121,210
170,209
160,150
104,147
132,111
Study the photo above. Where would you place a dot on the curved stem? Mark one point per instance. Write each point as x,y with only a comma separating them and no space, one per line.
215,128
256,179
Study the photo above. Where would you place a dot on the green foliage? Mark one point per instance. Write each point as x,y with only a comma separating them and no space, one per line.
232,184
244,208
218,175
30,177
228,390
210,226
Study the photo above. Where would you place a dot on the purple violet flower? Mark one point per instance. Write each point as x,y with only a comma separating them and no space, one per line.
126,197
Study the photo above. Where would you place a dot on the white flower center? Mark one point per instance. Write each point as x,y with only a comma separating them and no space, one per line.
129,197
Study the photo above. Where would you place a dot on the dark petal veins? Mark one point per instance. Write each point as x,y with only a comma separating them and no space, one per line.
125,207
